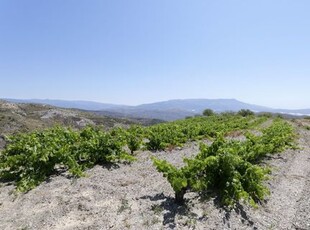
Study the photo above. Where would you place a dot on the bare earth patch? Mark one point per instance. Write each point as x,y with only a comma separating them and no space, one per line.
136,196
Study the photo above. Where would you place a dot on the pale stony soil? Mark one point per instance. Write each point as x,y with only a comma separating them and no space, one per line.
136,196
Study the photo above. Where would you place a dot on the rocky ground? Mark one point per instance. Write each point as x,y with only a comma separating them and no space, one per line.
18,117
136,196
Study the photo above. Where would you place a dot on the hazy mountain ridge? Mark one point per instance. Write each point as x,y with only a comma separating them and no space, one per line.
198,105
165,110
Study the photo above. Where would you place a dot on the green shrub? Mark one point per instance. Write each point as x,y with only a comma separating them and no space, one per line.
245,112
134,138
208,112
31,158
230,168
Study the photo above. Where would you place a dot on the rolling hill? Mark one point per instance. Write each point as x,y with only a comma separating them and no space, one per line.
16,117
165,110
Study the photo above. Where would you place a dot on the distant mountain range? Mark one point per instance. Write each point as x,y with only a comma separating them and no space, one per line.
165,110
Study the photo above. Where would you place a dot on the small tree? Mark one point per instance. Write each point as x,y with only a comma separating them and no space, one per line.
245,112
208,112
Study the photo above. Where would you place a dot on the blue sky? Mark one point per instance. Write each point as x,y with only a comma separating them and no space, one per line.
140,51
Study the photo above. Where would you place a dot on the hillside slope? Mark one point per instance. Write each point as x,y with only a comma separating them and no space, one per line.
16,117
136,196
85,105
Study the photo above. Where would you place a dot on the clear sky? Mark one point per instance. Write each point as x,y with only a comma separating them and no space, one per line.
141,51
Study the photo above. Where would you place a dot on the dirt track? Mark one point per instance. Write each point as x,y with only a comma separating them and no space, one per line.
138,197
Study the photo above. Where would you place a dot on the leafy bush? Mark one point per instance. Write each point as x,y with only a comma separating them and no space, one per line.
230,168
245,112
134,138
30,158
164,135
155,141
178,132
208,112
176,177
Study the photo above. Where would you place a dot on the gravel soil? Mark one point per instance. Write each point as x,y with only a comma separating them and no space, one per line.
136,196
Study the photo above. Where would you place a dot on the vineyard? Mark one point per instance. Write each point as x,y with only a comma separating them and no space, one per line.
232,168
